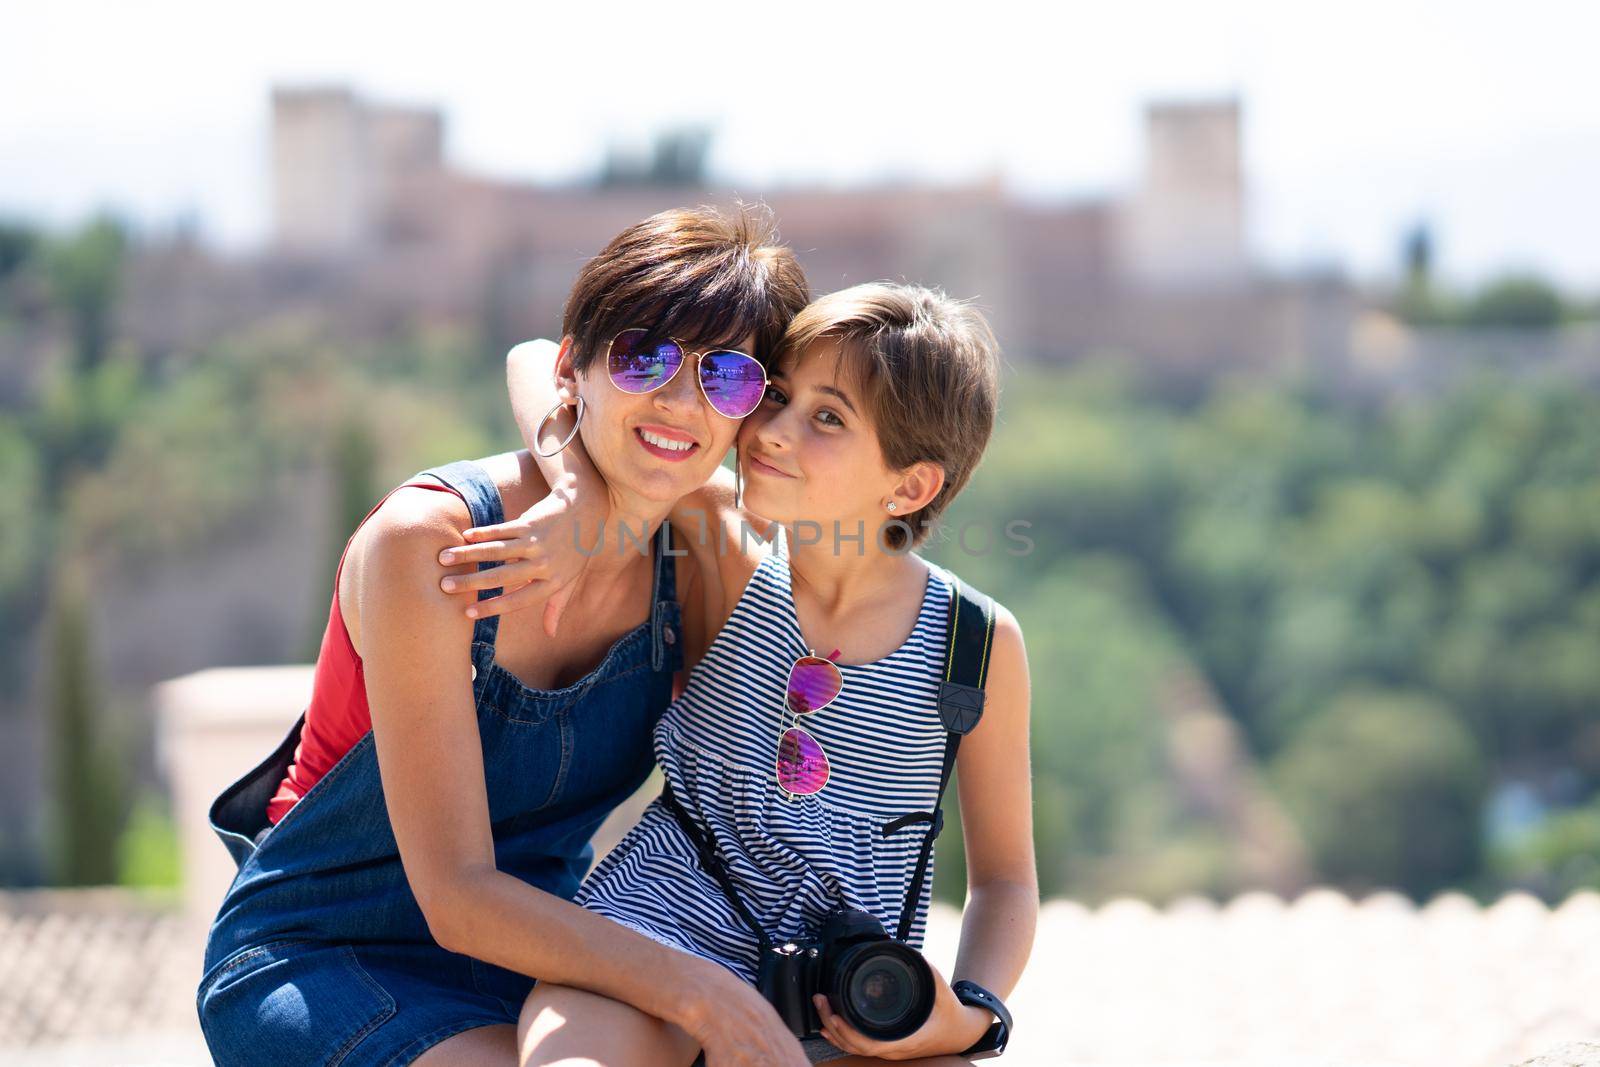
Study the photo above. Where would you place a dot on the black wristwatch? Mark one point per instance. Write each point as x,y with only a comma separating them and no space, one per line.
992,1043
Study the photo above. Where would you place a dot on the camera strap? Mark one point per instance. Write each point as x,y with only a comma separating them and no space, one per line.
970,633
712,861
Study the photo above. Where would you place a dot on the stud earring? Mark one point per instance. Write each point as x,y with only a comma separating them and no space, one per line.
891,505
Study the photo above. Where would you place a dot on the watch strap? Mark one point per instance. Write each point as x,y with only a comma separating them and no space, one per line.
993,1042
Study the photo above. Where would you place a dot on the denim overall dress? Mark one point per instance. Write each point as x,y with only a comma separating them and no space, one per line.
320,953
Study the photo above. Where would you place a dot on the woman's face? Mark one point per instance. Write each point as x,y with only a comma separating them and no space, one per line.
810,451
657,446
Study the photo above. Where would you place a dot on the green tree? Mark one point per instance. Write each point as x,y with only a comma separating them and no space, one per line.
1388,789
85,274
1519,301
355,454
1560,857
17,244
88,785
1419,302
148,855
22,517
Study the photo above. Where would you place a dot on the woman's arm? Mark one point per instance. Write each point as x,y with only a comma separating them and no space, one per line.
539,549
1002,909
431,765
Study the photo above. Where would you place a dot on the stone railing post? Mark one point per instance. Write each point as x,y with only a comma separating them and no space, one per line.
213,726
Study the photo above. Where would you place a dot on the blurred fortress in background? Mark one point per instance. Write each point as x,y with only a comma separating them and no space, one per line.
366,199
375,230
1165,273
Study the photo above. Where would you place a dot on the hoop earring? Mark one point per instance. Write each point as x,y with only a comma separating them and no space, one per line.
539,430
738,482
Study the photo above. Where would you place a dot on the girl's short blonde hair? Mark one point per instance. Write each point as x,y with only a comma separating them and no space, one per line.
927,367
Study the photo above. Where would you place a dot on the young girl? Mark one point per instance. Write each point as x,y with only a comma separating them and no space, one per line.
880,407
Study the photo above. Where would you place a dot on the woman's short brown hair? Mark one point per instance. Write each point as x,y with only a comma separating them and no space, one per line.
697,274
928,369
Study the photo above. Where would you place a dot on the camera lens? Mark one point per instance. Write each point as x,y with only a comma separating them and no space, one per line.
884,989
881,990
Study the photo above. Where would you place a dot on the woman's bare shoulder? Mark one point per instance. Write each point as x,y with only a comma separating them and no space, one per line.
396,551
413,516
411,508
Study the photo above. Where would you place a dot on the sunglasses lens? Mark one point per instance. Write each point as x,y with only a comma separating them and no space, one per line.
637,366
733,381
802,768
813,683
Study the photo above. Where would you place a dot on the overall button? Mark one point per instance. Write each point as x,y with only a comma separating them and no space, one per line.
474,672
668,635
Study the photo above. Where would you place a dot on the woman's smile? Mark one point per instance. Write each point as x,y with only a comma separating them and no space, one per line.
666,443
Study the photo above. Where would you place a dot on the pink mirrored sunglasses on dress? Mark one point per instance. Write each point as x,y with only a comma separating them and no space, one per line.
814,683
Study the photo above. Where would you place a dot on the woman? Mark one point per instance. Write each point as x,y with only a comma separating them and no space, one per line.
880,406
407,854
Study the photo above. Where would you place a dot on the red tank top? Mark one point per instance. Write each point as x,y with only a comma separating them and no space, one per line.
337,716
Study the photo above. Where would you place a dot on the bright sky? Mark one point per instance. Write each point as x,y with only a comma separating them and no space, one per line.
1360,117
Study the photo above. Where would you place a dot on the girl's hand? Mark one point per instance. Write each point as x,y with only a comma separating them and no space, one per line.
540,560
736,1027
953,1027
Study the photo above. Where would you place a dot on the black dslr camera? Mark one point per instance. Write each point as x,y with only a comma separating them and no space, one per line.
883,987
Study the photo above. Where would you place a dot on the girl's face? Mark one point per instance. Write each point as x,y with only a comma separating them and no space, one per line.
810,452
658,446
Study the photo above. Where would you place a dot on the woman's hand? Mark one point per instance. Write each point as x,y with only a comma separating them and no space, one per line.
953,1027
736,1026
539,555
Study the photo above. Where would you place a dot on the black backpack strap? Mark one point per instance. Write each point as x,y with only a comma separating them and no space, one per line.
712,862
971,631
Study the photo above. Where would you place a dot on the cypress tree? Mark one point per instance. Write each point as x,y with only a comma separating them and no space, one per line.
88,781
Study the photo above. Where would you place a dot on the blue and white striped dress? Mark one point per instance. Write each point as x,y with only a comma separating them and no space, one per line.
792,860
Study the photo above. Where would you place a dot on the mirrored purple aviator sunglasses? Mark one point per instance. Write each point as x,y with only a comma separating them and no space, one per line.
814,683
732,382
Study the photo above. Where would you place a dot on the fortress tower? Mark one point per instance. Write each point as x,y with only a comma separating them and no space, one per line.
336,162
1183,229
